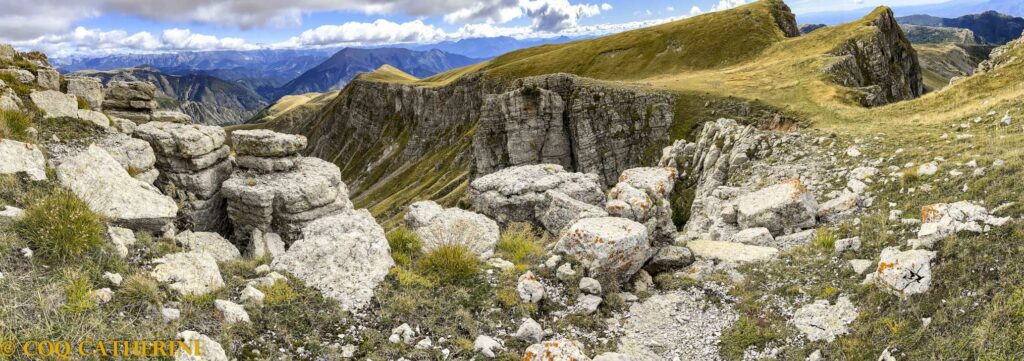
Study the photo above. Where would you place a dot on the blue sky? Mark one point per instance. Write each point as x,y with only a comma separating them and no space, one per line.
96,27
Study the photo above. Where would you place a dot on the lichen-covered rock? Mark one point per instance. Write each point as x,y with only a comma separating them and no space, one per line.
133,100
730,251
135,155
943,220
438,226
188,273
782,208
562,211
89,89
344,256
516,194
210,350
96,177
642,195
266,143
208,242
607,246
17,157
555,350
820,321
55,104
904,273
48,78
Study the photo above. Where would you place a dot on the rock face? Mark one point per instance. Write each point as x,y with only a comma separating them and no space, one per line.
562,119
517,194
189,273
17,157
920,34
282,202
96,177
562,211
882,67
438,226
135,155
642,195
55,104
822,321
48,78
782,208
904,273
193,163
607,246
89,89
344,256
132,100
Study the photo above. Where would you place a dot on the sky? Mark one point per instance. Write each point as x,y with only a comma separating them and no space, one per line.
98,27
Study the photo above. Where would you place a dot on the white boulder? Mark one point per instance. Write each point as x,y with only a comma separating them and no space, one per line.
781,208
188,273
904,273
821,321
438,226
616,247
17,157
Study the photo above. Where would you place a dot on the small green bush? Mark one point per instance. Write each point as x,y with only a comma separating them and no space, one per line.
77,293
61,228
14,125
140,290
405,246
278,294
520,244
824,238
448,264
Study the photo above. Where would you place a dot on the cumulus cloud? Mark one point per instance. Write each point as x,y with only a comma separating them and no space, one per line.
722,5
378,32
82,40
555,15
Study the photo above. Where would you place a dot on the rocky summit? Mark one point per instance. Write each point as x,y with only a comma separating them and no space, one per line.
728,185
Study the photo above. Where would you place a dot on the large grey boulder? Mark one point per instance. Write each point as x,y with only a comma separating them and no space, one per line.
266,143
55,104
89,89
48,78
516,194
188,273
135,155
344,256
607,246
904,273
782,208
438,226
96,177
210,243
642,195
943,220
562,211
17,157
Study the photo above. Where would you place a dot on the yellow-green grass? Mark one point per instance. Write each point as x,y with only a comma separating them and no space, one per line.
388,74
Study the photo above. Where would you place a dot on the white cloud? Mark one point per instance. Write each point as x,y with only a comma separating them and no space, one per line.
378,32
722,5
82,40
606,7
670,9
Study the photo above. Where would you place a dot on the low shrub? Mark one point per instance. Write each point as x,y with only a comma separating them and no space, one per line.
61,228
520,244
139,290
448,264
405,245
77,293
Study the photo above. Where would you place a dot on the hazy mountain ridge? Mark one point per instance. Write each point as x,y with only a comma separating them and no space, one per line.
989,27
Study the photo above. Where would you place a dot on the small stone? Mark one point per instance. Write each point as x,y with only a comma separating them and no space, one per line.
822,321
424,344
102,295
587,304
114,278
232,312
170,314
590,285
860,265
210,349
403,333
529,289
565,273
500,264
487,346
755,236
252,295
847,244
530,331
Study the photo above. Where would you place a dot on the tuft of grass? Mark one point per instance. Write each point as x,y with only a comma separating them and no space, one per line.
520,244
279,293
746,332
11,81
405,245
825,238
14,125
448,264
77,293
407,278
61,228
83,104
139,290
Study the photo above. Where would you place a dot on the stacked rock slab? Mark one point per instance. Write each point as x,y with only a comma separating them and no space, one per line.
275,190
89,89
519,194
193,163
132,100
643,196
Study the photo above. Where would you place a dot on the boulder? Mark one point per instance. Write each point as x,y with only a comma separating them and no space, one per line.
121,238
642,195
516,194
9,100
439,226
731,252
530,331
344,256
208,242
607,246
93,117
55,104
820,321
556,350
265,244
89,89
135,155
171,116
755,236
11,213
17,157
590,285
904,273
188,273
96,177
48,79
266,143
530,290
669,258
781,208
562,211
587,304
231,312
942,220
21,75
487,346
252,295
210,350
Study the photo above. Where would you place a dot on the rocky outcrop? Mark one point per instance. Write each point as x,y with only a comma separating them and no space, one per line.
556,350
345,256
1001,56
438,226
783,209
97,178
920,34
193,163
132,100
89,89
642,195
281,202
880,66
573,122
517,194
135,155
607,246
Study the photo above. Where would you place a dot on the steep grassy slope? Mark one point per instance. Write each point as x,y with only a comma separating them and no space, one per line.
942,62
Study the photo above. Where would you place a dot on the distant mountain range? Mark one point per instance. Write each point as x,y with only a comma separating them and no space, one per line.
344,65
207,99
949,9
989,27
